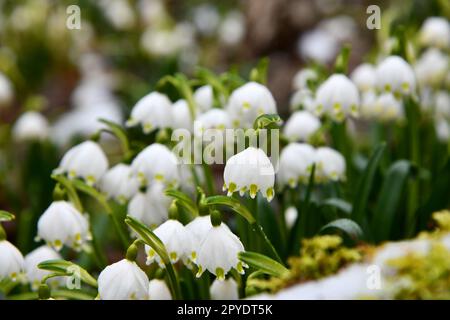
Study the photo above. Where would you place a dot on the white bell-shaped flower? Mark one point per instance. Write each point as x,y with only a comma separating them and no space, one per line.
119,184
11,261
330,165
337,97
435,32
123,280
388,108
368,99
156,163
152,112
158,290
296,161
364,77
219,252
395,75
199,228
442,105
34,274
61,224
432,68
177,240
442,128
248,102
204,98
303,99
86,160
6,91
302,77
290,216
301,126
31,125
181,114
224,290
232,29
249,171
150,207
213,119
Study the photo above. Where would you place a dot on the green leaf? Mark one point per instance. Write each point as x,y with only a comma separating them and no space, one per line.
259,73
364,185
339,204
183,200
341,64
234,204
350,227
267,121
263,263
156,244
67,268
6,216
389,199
120,133
71,192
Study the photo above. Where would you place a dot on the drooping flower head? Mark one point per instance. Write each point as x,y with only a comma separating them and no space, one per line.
158,290
249,171
118,183
11,261
364,77
224,290
395,75
204,98
330,165
301,126
296,161
35,274
435,32
31,125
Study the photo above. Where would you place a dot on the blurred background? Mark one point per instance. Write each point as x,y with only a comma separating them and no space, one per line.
75,76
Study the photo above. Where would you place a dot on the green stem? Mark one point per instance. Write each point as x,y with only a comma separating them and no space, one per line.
259,230
209,178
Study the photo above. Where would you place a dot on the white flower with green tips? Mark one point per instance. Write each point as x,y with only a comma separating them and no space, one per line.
31,125
338,98
432,67
153,111
395,75
158,290
177,241
61,224
330,165
35,274
119,184
301,126
11,261
296,162
123,280
388,108
204,98
219,252
156,163
85,160
181,114
249,171
213,119
248,102
364,77
435,32
224,290
150,207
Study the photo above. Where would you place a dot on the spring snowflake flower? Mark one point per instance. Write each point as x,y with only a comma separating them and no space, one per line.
303,99
318,45
61,224
219,252
118,183
301,126
224,290
337,97
158,290
435,32
248,102
249,171
442,105
11,261
212,119
290,216
442,128
296,161
364,77
34,274
181,115
204,98
6,91
177,240
368,99
199,228
432,68
31,125
123,280
302,77
330,165
156,163
153,112
395,75
388,108
232,28
86,160
150,207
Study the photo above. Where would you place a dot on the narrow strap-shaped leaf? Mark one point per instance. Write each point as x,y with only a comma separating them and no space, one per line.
365,185
183,200
156,244
350,227
233,204
68,268
339,204
6,216
263,263
120,133
389,198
